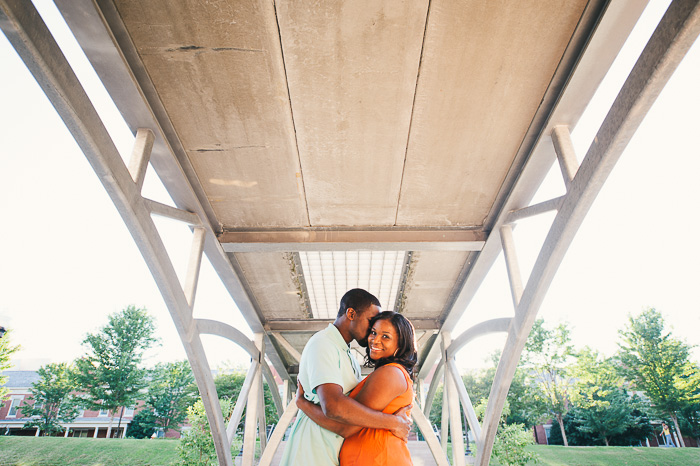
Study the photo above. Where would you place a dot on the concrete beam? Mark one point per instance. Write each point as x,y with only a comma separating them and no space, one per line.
437,378
314,325
673,37
278,434
241,401
483,328
426,429
98,27
324,239
30,37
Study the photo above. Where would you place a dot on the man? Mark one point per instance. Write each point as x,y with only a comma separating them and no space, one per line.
667,435
327,372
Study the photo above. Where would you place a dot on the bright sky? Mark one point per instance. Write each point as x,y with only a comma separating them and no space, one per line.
67,260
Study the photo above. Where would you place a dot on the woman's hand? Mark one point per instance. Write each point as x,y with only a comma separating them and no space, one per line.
301,401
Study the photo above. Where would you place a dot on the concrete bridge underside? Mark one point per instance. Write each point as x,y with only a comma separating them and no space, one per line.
313,146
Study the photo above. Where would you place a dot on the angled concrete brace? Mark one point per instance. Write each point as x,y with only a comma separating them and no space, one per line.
483,328
221,329
465,400
437,378
286,345
673,37
426,429
241,401
103,37
611,32
252,419
278,434
35,44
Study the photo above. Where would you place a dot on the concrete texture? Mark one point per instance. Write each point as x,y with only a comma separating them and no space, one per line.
354,116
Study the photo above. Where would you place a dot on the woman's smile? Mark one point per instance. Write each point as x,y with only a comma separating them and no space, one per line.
383,340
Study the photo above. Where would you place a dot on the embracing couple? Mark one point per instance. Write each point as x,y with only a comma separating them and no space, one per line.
343,419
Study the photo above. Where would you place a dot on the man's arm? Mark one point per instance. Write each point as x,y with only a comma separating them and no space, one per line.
338,407
315,413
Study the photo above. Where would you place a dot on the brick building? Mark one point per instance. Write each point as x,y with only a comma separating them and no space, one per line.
88,423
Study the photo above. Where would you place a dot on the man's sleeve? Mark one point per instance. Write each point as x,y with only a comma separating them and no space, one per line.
324,365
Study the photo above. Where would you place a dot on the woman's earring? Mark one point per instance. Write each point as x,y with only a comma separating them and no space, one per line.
397,350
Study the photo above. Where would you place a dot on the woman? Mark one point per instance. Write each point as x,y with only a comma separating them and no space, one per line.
392,352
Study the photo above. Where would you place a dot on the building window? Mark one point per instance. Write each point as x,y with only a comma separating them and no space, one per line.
14,405
83,433
129,411
103,413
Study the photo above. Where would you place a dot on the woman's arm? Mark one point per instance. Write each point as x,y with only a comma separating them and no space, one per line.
382,386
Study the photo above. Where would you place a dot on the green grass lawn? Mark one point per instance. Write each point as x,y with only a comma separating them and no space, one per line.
51,451
57,451
617,456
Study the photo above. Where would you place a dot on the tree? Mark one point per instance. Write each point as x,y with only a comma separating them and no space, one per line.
659,365
54,402
525,406
142,425
110,374
547,355
512,440
229,385
170,392
598,390
6,350
196,446
510,447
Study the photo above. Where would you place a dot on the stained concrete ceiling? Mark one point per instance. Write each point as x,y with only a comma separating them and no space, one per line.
379,125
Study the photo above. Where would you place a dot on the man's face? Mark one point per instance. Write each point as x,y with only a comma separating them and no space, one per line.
360,324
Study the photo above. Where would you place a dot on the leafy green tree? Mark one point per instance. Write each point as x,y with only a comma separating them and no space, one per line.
510,447
53,398
196,446
435,415
170,392
659,365
229,385
109,374
512,440
142,425
525,406
607,408
6,350
547,357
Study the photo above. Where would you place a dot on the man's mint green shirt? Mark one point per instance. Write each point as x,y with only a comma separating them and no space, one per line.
326,359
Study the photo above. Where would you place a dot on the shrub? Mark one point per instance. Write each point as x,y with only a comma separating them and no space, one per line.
510,446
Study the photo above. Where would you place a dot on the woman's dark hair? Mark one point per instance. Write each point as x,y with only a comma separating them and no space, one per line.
406,354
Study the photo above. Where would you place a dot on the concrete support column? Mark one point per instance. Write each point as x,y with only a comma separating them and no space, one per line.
444,420
453,407
65,435
97,430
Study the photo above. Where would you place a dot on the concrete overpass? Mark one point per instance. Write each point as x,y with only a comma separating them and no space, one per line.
313,147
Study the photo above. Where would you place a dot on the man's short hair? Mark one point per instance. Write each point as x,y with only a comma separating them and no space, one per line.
358,299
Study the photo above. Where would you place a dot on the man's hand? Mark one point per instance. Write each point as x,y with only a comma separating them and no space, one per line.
404,423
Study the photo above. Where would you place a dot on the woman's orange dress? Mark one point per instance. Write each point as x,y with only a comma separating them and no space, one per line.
378,447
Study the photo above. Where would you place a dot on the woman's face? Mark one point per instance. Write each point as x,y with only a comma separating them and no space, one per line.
383,340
